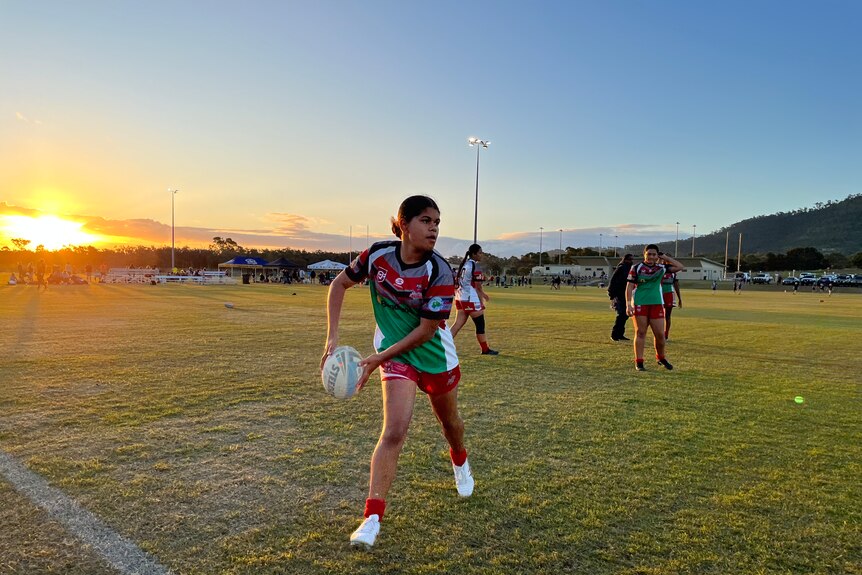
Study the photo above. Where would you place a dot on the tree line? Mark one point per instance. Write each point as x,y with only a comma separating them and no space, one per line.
224,249
219,251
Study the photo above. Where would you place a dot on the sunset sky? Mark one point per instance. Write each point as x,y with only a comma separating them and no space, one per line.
284,123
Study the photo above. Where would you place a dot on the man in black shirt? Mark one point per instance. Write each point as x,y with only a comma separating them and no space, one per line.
617,293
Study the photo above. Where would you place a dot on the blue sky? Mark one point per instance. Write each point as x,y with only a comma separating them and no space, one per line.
284,123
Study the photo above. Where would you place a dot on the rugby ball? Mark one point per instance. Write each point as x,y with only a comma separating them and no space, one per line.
341,372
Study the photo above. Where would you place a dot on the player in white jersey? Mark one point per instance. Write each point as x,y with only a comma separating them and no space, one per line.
470,295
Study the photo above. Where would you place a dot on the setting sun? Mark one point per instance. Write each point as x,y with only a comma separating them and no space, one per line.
50,232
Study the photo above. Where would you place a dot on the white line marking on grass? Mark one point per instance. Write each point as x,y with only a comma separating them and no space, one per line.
122,554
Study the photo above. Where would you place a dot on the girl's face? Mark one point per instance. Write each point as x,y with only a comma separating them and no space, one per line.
421,232
477,257
651,256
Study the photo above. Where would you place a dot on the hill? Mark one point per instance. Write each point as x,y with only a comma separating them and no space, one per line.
835,226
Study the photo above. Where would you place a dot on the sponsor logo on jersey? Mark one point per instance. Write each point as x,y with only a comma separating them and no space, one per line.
381,275
435,303
416,294
399,282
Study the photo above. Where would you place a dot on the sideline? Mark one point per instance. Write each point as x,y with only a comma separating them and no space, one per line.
121,553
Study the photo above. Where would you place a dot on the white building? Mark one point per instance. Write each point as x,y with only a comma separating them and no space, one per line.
696,268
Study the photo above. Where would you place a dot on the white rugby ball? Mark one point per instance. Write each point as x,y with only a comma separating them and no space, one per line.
341,372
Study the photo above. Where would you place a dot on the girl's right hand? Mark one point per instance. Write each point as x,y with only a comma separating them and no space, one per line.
328,350
630,309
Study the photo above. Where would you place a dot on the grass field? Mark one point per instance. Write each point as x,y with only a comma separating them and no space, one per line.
203,434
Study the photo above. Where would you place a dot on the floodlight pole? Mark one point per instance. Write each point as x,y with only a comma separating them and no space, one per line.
540,245
173,193
616,241
479,144
600,244
676,243
693,235
560,262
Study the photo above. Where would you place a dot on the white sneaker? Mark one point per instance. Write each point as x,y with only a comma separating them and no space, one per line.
367,532
463,479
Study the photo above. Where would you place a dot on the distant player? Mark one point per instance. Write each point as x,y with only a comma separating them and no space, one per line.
644,302
470,295
669,285
412,289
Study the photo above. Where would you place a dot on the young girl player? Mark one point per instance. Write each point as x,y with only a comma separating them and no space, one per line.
469,297
412,289
645,304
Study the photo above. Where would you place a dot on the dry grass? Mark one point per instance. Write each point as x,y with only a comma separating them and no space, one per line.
203,434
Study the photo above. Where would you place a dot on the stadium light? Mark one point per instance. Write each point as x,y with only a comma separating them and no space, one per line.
615,245
540,245
479,144
561,247
173,193
693,235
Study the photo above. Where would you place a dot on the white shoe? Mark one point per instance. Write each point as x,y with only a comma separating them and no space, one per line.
463,479
365,535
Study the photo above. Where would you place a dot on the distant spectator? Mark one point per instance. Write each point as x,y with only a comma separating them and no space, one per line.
40,276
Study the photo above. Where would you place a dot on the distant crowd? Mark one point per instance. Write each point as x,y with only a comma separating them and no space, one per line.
41,274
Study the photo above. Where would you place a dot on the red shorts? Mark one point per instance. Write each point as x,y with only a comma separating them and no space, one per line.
668,299
653,311
468,305
430,383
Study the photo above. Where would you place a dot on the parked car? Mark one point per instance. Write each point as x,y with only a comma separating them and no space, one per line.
845,280
808,280
789,281
762,279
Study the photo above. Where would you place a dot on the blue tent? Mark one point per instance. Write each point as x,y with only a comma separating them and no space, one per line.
246,265
245,262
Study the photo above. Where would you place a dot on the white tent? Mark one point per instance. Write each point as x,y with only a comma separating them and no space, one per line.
327,266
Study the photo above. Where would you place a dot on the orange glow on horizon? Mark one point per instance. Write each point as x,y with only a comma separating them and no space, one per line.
51,232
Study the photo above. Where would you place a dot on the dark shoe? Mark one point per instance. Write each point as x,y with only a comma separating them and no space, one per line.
665,363
640,367
623,338
491,352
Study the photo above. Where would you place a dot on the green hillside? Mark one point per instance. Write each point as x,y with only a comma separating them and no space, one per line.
835,226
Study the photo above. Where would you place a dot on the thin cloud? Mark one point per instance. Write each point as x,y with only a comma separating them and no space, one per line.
22,118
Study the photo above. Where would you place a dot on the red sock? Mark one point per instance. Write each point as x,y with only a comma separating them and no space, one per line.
659,357
458,457
639,360
375,507
484,345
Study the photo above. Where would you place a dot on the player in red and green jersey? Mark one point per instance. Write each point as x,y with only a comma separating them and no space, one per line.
644,301
669,285
469,297
412,290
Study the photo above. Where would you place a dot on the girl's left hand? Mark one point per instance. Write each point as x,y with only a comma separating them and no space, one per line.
368,365
486,296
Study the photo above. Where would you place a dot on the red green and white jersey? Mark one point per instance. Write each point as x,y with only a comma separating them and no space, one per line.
647,280
667,287
401,295
471,274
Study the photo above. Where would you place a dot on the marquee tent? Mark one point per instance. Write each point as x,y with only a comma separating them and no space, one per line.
327,266
245,264
283,263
